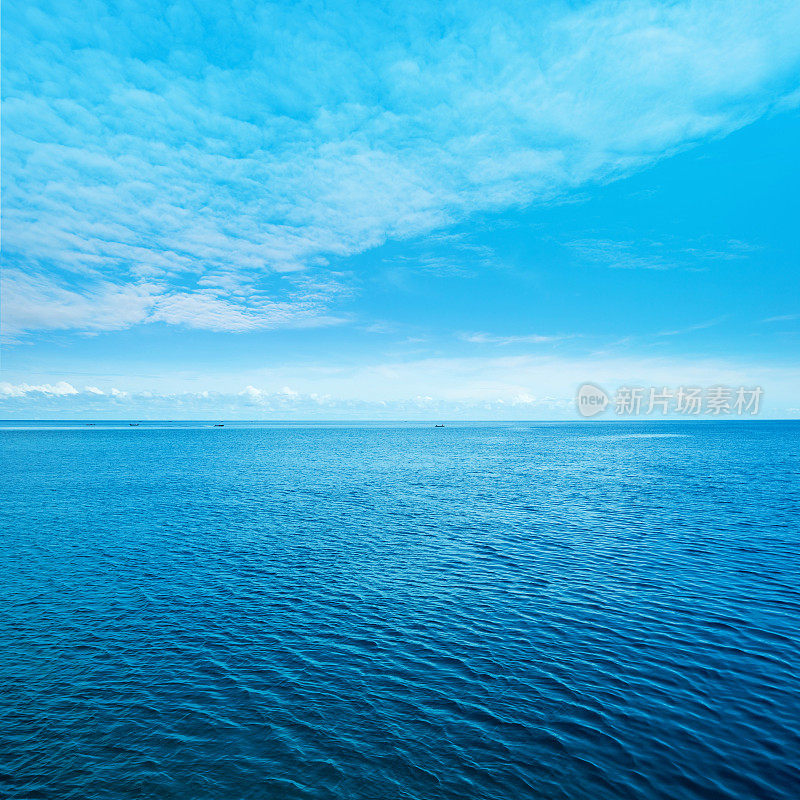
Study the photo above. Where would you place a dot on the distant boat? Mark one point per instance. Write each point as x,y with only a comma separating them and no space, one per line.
219,424
438,426
134,424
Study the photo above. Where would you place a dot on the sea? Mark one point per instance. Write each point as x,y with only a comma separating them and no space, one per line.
400,611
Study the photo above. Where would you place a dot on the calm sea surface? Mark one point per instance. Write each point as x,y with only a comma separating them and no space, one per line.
377,612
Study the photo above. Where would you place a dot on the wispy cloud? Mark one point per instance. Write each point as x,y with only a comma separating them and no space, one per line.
658,255
621,255
143,159
513,386
488,338
35,302
699,326
441,254
782,318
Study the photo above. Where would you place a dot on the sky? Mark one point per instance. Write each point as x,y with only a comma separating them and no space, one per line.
464,210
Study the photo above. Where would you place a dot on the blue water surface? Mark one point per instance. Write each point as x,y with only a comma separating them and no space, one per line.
384,611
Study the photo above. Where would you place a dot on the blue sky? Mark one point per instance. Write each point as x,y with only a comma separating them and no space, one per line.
410,210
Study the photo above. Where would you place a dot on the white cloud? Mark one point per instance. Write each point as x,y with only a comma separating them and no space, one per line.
782,318
59,389
35,302
658,255
698,326
488,338
527,386
139,173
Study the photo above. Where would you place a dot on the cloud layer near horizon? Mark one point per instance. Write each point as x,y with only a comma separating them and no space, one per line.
167,163
501,387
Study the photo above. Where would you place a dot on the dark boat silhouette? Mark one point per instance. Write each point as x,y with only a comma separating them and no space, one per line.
438,426
219,424
134,424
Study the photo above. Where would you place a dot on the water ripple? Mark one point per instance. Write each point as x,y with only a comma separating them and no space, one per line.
364,612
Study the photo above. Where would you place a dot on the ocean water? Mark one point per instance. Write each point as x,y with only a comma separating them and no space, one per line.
385,611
